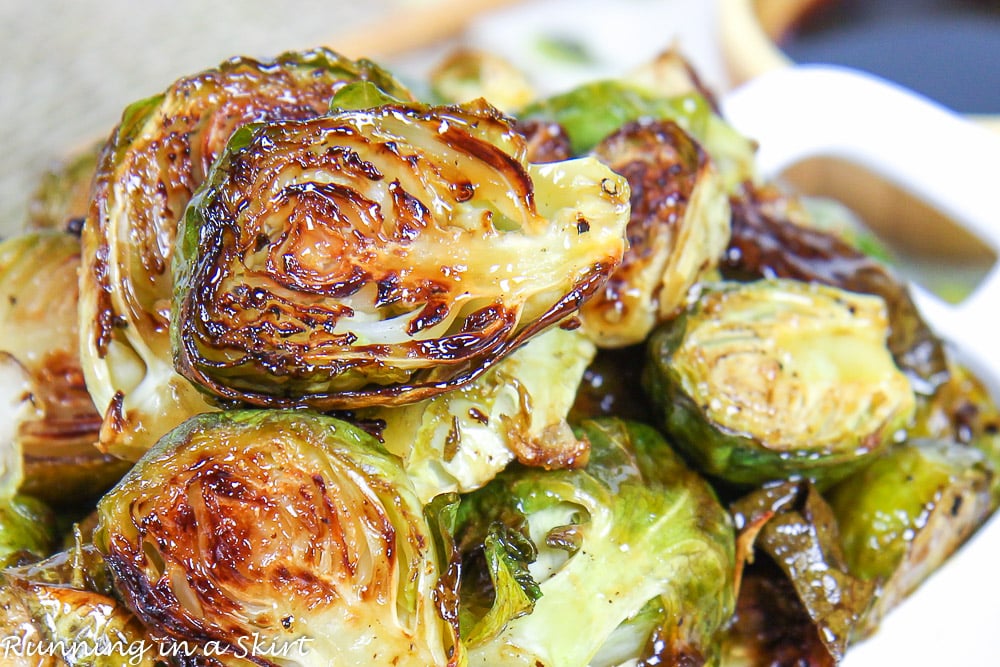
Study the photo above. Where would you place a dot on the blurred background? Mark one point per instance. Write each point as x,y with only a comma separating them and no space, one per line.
70,67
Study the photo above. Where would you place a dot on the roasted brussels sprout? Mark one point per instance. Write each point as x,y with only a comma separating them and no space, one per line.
594,110
460,440
633,556
777,378
62,198
468,74
151,165
64,613
678,229
293,528
379,256
27,530
906,512
766,244
38,329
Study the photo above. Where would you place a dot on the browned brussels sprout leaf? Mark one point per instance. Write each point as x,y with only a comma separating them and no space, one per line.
38,329
380,256
152,164
797,530
763,244
678,229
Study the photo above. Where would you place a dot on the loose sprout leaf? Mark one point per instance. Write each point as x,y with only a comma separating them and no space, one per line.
286,525
766,380
152,163
441,513
65,604
383,256
507,553
801,536
771,626
962,411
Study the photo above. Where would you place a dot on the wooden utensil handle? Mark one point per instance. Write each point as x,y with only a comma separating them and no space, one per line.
410,28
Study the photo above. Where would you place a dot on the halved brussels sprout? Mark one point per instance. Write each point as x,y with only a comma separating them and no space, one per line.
62,199
631,558
905,513
27,530
766,244
383,255
64,613
594,110
290,527
678,230
468,74
151,165
460,440
38,329
777,378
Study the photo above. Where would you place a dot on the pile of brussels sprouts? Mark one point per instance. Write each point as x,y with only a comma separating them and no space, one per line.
305,368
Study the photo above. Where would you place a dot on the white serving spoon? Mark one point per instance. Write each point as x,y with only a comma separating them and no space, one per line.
953,165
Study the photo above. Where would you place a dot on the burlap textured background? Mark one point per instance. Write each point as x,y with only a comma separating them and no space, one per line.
69,67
